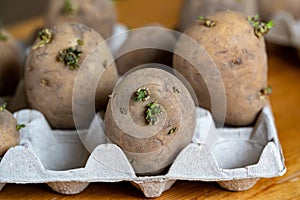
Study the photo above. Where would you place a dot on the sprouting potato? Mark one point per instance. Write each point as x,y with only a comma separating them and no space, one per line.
98,14
237,49
151,116
192,9
51,71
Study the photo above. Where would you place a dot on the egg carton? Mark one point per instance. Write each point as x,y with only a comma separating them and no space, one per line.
286,31
234,157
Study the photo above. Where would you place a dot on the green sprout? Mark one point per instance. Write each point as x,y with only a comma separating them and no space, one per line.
176,90
20,126
207,22
80,42
69,9
3,106
45,37
153,110
131,161
265,92
70,57
45,82
104,64
142,94
172,130
260,28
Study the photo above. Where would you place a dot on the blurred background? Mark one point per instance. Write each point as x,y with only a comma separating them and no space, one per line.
29,14
12,11
15,11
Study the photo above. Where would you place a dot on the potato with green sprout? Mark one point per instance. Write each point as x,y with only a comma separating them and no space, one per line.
191,9
232,45
52,67
100,15
151,116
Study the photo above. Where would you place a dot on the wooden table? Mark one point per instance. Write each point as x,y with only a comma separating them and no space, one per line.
284,76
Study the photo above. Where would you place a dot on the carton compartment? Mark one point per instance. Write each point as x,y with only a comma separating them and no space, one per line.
287,30
64,152
57,150
226,153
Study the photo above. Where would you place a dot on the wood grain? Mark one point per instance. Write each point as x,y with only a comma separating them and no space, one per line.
284,76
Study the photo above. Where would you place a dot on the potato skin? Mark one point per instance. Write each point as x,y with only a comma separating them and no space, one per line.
241,59
192,9
9,136
100,15
269,7
49,84
11,65
138,43
150,148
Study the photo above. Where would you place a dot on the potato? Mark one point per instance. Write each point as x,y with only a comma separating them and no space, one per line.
151,116
226,42
51,72
192,9
269,7
136,50
100,15
9,136
11,63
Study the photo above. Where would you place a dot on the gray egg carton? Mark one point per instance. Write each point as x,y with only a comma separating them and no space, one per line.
286,30
61,159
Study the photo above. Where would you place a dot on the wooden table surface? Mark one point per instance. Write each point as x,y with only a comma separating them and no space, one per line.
284,76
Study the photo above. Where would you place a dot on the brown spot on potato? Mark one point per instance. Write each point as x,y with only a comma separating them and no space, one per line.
236,62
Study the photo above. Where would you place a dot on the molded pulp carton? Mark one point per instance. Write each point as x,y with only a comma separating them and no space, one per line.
286,30
234,157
